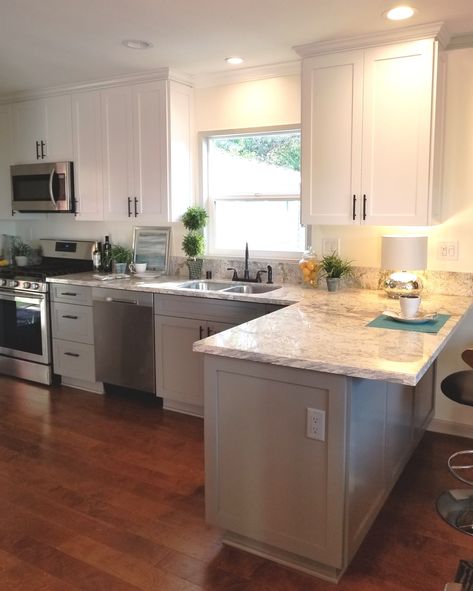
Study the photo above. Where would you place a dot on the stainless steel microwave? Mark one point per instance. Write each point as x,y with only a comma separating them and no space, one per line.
43,187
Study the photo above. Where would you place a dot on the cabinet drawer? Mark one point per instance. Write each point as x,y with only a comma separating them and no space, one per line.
208,309
71,322
71,294
75,360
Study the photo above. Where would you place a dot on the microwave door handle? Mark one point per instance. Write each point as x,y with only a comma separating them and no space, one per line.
51,194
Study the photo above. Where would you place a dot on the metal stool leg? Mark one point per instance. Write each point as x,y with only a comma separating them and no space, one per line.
456,508
459,463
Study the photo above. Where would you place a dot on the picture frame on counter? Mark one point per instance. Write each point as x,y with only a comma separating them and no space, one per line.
151,245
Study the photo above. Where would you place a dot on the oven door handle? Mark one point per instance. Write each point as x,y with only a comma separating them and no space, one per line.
51,193
20,297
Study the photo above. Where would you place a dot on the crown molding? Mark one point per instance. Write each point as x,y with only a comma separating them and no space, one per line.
461,41
435,30
135,78
292,68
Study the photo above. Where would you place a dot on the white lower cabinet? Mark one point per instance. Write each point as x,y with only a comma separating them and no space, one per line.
179,322
73,336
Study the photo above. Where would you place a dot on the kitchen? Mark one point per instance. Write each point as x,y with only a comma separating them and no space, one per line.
230,104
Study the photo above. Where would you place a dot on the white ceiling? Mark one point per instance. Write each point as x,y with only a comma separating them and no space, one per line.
54,42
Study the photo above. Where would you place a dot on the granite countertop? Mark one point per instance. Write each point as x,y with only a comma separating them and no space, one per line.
327,332
285,295
321,331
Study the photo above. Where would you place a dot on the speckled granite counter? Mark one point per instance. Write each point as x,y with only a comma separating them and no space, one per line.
328,332
323,331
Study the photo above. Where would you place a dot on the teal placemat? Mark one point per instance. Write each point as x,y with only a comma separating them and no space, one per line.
383,321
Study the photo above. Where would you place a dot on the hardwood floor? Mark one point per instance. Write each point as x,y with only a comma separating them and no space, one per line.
105,493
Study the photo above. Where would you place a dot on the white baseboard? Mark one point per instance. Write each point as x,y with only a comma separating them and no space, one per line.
451,428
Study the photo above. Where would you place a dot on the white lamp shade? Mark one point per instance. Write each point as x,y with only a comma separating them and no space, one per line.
404,253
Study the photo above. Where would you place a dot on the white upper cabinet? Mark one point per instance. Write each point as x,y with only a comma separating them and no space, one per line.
87,136
117,137
42,130
370,135
147,130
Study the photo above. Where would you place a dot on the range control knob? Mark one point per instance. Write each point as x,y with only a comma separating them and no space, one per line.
3,281
26,284
35,286
14,283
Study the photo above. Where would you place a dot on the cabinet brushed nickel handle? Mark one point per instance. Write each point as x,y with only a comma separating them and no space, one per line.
364,207
136,207
37,151
354,208
43,144
129,207
68,293
201,332
69,354
69,316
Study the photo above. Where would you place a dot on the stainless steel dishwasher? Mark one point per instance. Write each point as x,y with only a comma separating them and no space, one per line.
124,338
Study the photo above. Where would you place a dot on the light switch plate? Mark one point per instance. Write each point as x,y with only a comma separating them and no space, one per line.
330,246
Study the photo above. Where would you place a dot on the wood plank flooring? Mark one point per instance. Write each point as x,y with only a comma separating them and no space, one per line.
106,493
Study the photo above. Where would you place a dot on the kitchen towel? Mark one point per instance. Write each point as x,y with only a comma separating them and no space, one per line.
433,327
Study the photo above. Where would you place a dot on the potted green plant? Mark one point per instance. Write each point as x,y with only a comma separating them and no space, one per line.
21,251
334,268
121,257
193,244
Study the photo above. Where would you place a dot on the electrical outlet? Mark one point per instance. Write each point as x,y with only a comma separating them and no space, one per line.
330,246
315,428
448,251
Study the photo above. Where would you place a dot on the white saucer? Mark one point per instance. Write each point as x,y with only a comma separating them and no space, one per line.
417,319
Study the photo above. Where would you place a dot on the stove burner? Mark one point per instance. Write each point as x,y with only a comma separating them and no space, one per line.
47,268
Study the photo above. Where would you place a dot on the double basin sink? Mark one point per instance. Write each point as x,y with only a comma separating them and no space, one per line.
248,288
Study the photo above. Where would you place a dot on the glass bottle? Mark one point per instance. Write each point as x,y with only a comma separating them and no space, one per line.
309,266
107,256
97,256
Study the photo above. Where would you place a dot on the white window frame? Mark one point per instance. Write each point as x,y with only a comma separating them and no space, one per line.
209,203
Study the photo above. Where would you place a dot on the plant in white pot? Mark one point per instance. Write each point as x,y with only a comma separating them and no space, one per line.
21,251
193,244
334,268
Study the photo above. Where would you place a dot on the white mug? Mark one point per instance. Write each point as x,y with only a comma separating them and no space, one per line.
138,267
409,305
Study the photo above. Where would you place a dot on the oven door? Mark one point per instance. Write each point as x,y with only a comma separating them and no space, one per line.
42,187
24,326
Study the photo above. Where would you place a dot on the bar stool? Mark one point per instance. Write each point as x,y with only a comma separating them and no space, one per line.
456,506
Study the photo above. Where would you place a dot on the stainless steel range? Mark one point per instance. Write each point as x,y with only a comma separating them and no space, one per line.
25,327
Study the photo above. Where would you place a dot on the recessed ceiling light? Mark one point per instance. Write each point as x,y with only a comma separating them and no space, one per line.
235,60
136,44
399,13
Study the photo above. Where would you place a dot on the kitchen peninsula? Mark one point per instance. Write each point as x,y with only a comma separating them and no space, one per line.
307,502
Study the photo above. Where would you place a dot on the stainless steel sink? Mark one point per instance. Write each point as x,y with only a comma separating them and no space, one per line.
251,288
204,285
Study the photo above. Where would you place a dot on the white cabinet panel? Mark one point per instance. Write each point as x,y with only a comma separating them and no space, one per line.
117,152
369,121
88,184
397,118
150,150
331,137
42,130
